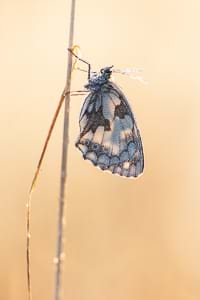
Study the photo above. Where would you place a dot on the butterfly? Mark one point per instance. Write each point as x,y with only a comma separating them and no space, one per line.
109,136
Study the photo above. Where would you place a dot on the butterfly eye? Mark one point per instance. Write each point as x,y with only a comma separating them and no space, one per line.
106,70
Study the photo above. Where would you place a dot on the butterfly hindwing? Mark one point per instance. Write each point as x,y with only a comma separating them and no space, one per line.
109,136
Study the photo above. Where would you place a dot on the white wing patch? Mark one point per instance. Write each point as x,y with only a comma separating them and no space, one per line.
108,107
109,136
98,135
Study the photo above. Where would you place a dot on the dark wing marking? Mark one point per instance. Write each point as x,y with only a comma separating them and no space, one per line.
109,136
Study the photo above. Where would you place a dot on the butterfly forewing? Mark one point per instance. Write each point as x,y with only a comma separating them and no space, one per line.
109,136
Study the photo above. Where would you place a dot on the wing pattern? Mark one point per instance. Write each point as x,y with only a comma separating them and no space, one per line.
109,136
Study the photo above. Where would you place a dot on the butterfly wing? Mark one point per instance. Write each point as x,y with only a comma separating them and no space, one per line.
109,136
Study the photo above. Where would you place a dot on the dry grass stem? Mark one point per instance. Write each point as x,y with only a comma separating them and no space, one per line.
63,177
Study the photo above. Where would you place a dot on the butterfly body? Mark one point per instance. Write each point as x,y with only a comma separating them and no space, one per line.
109,136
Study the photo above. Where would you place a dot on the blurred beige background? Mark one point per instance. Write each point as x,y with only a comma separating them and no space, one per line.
125,239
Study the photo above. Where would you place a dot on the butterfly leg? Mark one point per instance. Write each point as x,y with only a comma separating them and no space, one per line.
84,61
78,93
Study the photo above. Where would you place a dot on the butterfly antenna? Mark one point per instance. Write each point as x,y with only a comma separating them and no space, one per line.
84,61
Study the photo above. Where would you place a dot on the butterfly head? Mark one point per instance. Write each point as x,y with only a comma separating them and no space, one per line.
106,72
98,79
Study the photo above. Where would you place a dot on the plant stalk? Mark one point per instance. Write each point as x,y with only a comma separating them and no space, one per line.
63,176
